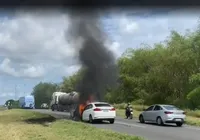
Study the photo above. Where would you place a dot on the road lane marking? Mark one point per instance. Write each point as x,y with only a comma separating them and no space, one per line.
129,125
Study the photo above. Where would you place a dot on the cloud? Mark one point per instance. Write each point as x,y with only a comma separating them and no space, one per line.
35,40
9,94
128,26
27,70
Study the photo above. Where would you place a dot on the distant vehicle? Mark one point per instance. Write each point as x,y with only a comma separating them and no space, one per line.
44,106
161,114
27,102
98,111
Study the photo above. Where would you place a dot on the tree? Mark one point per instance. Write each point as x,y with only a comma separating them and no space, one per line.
15,104
194,95
43,92
161,72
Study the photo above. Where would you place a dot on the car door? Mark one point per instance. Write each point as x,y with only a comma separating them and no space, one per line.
88,111
156,112
85,112
147,114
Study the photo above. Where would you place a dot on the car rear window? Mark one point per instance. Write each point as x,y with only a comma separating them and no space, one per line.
170,107
102,105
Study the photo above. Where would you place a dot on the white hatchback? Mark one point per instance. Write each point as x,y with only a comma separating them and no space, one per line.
161,114
99,111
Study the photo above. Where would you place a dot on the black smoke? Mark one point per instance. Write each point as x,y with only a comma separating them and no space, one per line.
98,62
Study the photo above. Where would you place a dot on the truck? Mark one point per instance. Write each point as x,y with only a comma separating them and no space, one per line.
62,101
27,102
70,102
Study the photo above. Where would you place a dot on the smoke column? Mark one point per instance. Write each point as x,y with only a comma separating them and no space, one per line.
97,61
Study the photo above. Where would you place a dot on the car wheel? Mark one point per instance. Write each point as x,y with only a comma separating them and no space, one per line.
159,121
141,119
112,121
179,124
90,119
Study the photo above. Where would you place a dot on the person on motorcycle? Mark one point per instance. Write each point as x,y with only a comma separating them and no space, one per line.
127,110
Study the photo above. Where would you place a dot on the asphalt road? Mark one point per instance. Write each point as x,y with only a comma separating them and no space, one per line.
148,131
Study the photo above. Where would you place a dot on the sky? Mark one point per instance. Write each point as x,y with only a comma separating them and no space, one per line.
34,47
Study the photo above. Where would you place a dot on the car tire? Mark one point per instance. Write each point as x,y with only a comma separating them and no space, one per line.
90,119
112,121
179,124
141,119
159,121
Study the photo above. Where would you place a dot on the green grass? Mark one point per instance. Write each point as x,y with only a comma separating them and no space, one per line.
19,124
192,118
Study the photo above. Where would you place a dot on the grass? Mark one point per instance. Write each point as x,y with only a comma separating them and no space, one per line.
19,124
192,118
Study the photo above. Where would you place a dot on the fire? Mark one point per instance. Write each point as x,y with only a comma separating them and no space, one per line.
83,105
81,108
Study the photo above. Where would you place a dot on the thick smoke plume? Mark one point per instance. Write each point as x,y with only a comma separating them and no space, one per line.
97,61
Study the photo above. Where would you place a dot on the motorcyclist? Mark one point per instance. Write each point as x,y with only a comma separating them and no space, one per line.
127,110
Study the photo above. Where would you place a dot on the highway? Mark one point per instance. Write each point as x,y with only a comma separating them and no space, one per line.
147,131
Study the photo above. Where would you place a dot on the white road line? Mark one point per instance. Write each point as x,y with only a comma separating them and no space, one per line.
129,125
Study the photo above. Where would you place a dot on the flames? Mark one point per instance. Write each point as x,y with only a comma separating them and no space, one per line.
81,108
83,105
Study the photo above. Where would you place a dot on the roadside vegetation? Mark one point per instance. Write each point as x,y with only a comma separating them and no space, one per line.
164,73
192,117
19,124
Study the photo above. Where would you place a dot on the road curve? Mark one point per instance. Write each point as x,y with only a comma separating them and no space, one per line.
148,131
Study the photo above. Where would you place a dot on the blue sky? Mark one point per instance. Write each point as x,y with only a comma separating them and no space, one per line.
33,45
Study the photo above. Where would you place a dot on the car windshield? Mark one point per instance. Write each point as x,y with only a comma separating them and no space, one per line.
170,107
102,105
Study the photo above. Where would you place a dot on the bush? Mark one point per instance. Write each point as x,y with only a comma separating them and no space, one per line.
135,107
195,113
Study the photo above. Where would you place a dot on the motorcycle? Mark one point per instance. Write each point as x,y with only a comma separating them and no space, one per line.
129,113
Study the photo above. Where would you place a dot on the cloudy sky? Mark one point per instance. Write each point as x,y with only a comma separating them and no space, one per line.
33,46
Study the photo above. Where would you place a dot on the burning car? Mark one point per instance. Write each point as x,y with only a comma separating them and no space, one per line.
98,111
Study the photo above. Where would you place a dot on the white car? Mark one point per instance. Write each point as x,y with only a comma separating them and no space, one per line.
44,106
161,114
99,111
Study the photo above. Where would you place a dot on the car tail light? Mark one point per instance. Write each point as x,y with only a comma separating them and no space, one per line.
167,112
113,109
97,109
